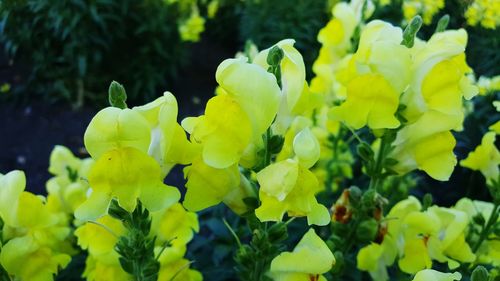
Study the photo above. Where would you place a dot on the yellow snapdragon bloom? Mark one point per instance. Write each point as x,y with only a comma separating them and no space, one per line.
191,28
436,234
288,187
375,258
114,128
484,12
433,275
426,8
234,121
294,88
36,246
485,158
308,261
374,64
179,270
416,238
488,85
208,186
176,226
126,174
173,225
68,188
169,144
489,251
434,105
336,45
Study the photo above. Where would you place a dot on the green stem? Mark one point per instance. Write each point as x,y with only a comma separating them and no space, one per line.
377,178
267,155
486,230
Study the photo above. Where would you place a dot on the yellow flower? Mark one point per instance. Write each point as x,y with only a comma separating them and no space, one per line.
489,251
432,153
26,259
68,188
485,158
426,8
35,246
374,258
127,174
191,28
208,186
287,186
100,238
423,236
224,131
485,12
294,88
433,275
434,105
96,270
375,64
176,226
169,144
179,270
375,106
308,261
113,128
235,121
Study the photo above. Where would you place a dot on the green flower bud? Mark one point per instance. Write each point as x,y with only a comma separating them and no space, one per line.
411,31
367,230
480,274
117,95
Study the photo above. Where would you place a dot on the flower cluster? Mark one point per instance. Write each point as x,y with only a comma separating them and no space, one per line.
34,242
483,12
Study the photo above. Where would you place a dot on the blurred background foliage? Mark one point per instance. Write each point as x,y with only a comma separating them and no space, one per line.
69,50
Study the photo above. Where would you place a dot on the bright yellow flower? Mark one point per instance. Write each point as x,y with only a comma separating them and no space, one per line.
35,247
127,174
235,121
374,64
485,157
26,259
294,87
432,153
68,188
113,128
288,187
169,144
433,275
423,236
208,186
308,261
191,28
96,270
224,131
179,270
489,251
175,226
374,258
484,12
375,106
100,238
434,105
426,8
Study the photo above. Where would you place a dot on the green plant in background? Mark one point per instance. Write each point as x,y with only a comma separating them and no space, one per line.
75,47
266,22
